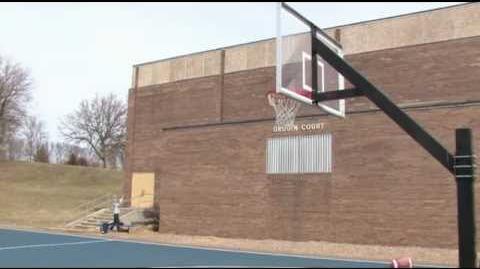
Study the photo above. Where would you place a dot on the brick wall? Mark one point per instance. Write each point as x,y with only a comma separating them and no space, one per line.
384,189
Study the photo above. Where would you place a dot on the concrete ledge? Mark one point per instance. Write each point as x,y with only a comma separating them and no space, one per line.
455,22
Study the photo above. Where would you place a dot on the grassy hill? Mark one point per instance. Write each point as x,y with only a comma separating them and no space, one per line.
46,195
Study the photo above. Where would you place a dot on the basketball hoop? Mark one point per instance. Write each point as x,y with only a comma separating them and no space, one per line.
285,108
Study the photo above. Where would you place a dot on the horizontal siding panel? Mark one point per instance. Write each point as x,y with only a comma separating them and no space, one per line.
299,154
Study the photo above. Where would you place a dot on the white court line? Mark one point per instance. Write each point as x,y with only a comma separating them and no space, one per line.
133,241
253,252
223,266
54,245
32,230
223,250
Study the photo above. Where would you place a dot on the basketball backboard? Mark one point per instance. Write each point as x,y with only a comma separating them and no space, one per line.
295,72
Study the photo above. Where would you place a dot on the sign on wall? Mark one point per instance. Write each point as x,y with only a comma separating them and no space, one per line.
143,187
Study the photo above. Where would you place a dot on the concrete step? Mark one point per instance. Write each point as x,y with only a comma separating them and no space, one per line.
103,214
97,220
87,221
83,227
93,221
102,217
121,209
89,224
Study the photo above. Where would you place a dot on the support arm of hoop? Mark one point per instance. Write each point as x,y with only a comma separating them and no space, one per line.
380,99
341,94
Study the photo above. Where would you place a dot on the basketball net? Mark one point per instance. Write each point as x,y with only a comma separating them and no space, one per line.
285,109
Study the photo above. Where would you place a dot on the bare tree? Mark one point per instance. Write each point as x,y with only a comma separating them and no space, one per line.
59,151
91,157
119,157
15,93
100,124
16,147
76,154
42,153
34,134
51,150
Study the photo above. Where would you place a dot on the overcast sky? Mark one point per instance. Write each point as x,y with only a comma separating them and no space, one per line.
75,50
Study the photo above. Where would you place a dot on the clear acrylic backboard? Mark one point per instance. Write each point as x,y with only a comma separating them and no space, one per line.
294,62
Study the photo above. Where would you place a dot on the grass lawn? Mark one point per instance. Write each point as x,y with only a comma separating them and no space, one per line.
46,195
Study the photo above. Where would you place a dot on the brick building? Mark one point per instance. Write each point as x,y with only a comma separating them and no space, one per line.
198,126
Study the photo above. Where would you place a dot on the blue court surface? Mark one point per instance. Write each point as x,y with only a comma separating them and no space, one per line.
19,248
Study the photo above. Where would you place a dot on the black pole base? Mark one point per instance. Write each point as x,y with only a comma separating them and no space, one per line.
464,168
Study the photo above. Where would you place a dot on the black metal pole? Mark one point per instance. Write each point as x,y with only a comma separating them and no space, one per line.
382,101
462,165
314,66
465,176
